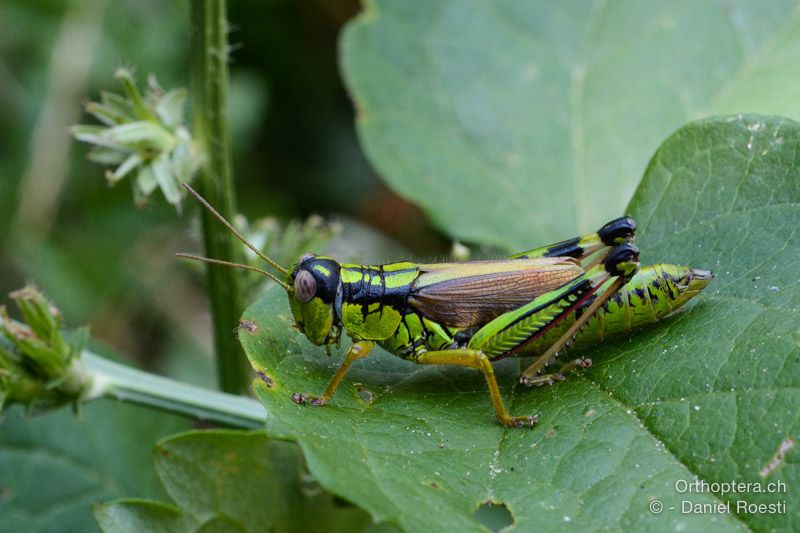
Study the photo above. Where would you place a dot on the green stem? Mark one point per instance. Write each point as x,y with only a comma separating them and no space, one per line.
210,84
124,383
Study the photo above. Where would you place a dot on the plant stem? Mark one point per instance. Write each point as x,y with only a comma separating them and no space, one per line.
130,385
210,85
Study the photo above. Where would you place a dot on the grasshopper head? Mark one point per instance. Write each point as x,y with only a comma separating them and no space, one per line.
314,283
688,282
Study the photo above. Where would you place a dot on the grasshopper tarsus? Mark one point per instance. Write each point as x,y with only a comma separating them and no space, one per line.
521,421
537,381
549,379
299,398
308,399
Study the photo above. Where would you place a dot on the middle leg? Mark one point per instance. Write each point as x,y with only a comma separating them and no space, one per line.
477,359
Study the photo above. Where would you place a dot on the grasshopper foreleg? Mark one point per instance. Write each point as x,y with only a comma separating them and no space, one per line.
357,351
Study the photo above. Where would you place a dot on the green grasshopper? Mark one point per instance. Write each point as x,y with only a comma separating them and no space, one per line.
655,292
473,313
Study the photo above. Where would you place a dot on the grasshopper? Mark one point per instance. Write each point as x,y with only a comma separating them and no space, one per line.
655,292
473,313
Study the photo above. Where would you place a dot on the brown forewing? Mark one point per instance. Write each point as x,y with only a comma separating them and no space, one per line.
473,293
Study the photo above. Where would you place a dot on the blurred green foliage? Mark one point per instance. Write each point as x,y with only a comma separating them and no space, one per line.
40,363
87,246
111,264
59,222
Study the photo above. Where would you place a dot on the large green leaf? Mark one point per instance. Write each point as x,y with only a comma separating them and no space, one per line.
231,481
725,194
712,392
477,110
53,467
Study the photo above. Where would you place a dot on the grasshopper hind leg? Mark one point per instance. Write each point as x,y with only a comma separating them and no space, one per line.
620,266
511,332
613,233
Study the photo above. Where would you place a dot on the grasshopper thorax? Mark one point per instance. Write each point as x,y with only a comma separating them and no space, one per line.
315,283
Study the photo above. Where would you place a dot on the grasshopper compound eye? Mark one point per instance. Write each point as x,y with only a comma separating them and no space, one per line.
305,286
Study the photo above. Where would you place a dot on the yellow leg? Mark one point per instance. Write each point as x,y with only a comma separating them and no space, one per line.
357,351
477,359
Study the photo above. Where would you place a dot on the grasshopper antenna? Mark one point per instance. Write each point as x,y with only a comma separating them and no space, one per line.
238,235
234,265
